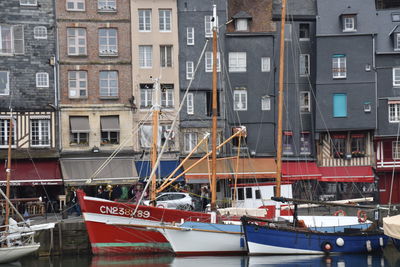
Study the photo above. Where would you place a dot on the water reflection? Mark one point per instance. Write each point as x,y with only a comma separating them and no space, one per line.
390,258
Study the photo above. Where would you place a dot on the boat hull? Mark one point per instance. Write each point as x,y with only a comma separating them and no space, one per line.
268,240
106,222
10,254
206,239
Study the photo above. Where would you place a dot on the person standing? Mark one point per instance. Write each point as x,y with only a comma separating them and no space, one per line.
204,197
73,202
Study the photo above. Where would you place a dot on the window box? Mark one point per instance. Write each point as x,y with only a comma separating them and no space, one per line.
339,155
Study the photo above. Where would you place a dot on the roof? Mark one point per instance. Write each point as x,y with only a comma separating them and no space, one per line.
296,7
242,15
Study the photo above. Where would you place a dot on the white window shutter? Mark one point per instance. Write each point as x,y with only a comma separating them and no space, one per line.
18,32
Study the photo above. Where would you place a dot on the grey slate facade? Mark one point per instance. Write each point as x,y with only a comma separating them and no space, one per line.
28,82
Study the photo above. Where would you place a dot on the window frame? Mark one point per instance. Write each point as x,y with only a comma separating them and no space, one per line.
349,23
75,5
305,143
163,24
237,61
396,78
189,35
145,56
304,65
304,98
208,26
287,143
26,2
10,49
107,7
339,68
190,140
106,35
40,32
394,112
265,64
190,104
395,149
265,103
239,23
189,70
337,113
42,80
78,80
166,56
7,84
41,132
76,37
305,30
110,89
109,137
144,17
146,96
208,60
396,41
167,95
240,93
5,120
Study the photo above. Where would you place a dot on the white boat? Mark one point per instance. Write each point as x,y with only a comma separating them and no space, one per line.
391,228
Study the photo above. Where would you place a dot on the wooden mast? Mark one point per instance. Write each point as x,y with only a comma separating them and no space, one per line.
280,101
154,147
8,170
214,115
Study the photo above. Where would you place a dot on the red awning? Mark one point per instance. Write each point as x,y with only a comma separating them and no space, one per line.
300,171
32,173
347,174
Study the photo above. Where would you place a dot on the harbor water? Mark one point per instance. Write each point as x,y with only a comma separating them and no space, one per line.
389,258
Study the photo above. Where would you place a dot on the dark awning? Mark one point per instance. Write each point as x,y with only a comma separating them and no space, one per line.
24,172
300,171
109,124
164,170
77,171
79,124
347,174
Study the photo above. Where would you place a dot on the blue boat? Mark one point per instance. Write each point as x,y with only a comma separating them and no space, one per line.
267,237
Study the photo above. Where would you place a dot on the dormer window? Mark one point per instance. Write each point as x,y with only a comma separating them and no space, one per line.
395,17
395,35
349,23
242,21
241,25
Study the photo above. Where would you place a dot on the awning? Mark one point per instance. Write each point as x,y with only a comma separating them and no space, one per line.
247,168
347,174
23,172
164,170
77,171
300,171
79,124
109,124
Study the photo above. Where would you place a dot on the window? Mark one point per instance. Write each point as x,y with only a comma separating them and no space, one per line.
167,95
79,127
249,192
304,64
108,42
240,100
208,26
349,23
209,104
4,83
165,20
240,194
305,143
395,17
394,111
145,56
396,41
144,20
367,107
265,64
266,103
189,70
209,62
258,194
146,95
304,31
107,5
338,146
190,36
76,5
287,143
28,2
108,84
189,141
146,135
396,150
42,79
339,105
40,32
5,130
288,32
396,77
241,24
357,145
339,66
166,56
237,61
40,132
77,84
305,104
109,126
11,39
190,104
76,41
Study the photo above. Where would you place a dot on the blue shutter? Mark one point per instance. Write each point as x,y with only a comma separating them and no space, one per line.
339,105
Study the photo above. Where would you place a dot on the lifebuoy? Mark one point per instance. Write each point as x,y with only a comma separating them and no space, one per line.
362,216
339,213
160,206
326,246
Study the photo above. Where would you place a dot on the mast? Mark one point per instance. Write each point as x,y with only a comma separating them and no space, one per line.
280,103
156,114
214,115
8,170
